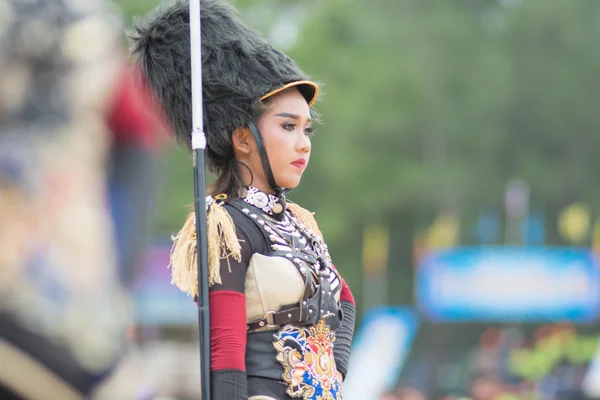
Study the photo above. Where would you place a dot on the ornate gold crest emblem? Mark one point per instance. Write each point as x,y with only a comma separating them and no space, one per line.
307,358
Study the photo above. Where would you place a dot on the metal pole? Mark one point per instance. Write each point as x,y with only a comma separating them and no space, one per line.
198,147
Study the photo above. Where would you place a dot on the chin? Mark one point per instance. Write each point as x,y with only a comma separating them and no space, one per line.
290,182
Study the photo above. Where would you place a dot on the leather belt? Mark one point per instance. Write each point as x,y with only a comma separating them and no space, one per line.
294,313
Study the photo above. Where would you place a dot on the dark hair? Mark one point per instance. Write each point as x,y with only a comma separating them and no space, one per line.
238,68
230,181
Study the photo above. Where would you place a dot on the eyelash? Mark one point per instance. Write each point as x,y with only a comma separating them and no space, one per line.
290,127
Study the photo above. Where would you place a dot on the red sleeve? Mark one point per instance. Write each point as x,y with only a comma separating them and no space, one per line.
227,330
346,293
228,312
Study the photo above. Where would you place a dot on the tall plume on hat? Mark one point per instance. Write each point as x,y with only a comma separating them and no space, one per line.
239,67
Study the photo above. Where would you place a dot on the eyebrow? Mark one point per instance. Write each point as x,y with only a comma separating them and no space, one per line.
293,116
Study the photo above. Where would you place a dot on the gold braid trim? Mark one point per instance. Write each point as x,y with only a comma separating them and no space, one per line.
305,217
222,244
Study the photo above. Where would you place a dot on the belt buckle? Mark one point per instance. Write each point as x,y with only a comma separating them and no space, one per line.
270,320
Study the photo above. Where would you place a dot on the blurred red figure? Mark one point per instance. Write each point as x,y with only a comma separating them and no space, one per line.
136,126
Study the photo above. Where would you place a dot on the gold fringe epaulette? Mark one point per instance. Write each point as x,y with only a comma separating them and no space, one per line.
305,217
222,243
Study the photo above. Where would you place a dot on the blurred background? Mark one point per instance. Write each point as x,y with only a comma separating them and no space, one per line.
455,178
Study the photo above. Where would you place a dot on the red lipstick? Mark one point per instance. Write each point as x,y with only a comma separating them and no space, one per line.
300,163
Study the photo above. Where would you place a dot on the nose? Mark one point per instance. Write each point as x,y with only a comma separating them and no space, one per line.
303,144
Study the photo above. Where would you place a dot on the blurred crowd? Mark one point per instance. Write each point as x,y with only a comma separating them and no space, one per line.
482,388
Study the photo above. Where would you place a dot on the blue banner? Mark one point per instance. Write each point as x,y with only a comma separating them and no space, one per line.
379,351
509,284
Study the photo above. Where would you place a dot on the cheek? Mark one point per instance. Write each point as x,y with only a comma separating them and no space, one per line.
278,142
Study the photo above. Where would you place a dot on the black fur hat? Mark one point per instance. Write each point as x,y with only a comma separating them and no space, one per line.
240,68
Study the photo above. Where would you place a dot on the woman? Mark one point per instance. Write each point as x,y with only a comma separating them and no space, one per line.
282,318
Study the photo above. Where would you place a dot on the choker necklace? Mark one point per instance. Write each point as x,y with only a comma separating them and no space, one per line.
268,203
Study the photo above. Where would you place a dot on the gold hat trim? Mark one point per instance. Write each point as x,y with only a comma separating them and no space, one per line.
294,84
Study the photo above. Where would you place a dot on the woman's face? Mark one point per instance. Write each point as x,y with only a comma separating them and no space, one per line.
286,131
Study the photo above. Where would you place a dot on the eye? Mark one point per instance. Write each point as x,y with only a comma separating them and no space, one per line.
309,132
289,127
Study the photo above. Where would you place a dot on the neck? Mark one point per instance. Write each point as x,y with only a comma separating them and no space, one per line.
263,187
254,179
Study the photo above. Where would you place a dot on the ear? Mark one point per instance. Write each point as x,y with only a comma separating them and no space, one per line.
243,141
